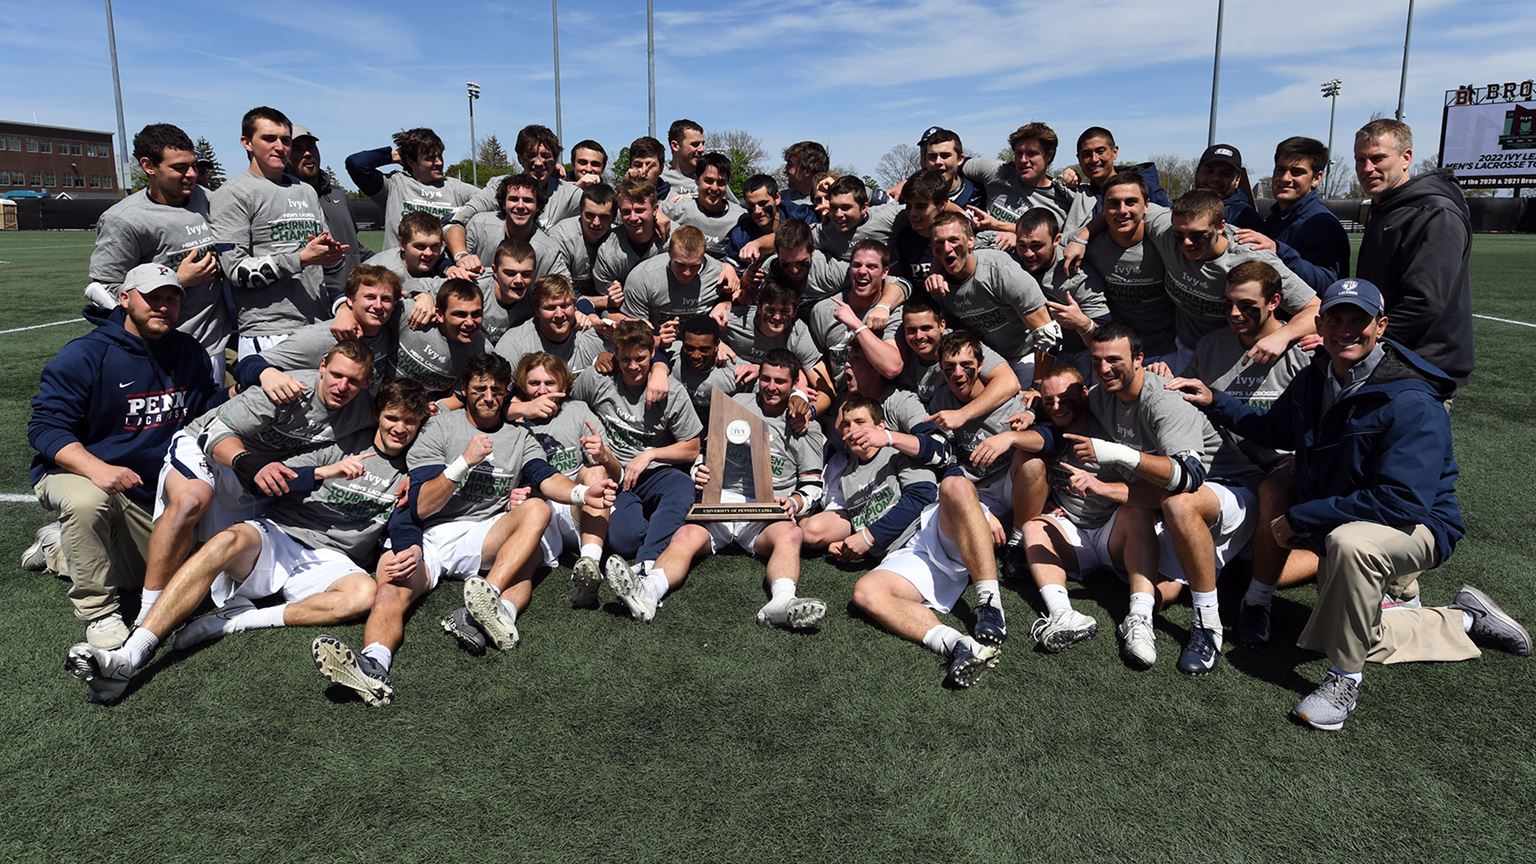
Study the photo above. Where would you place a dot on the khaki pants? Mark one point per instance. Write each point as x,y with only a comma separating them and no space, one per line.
1360,559
104,539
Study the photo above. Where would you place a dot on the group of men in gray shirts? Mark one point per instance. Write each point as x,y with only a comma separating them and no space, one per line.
990,372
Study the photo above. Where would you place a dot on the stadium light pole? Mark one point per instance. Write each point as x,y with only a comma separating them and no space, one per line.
123,171
474,163
1331,93
1221,11
1402,80
650,63
554,13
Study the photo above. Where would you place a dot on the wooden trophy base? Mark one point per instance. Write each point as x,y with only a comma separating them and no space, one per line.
737,513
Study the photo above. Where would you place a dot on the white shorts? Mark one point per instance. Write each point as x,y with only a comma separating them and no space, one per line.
250,346
563,532
451,550
231,504
1231,533
931,561
743,533
285,566
1089,545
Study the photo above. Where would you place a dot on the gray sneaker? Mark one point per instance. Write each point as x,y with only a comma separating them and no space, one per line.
35,559
359,673
212,627
484,604
586,575
461,627
1063,630
106,673
1491,625
1329,705
107,632
1392,602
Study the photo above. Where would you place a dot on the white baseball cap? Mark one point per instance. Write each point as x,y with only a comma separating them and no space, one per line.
145,278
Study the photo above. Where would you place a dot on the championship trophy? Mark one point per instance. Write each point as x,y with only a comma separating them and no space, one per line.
732,425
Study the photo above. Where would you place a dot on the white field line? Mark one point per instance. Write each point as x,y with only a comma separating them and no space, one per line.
17,498
1504,320
41,326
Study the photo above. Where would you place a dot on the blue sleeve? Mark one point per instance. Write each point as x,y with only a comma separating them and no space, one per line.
419,478
1278,428
402,529
535,473
1155,193
913,500
932,445
364,167
247,373
584,306
303,484
61,409
1407,464
1317,276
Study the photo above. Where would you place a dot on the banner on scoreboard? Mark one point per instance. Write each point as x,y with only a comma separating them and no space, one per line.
1490,143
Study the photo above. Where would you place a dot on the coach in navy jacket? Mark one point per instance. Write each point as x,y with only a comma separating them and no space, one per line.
106,408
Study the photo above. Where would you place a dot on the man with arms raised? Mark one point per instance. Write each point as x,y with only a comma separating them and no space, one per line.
274,228
319,532
796,471
1009,190
420,187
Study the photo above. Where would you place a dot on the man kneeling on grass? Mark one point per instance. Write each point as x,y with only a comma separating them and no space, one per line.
326,514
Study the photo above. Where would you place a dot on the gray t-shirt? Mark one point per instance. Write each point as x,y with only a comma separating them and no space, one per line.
833,336
866,491
1007,196
273,431
653,293
700,386
267,223
564,202
879,224
926,378
750,345
826,277
579,350
789,455
560,436
630,425
903,410
618,255
393,260
403,194
716,228
965,439
1218,361
1133,280
339,221
309,344
498,320
1199,288
1085,511
992,303
344,514
430,358
572,243
137,230
486,231
485,490
1158,421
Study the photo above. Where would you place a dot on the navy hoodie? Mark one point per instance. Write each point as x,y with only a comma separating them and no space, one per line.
1310,240
1380,454
1416,249
121,397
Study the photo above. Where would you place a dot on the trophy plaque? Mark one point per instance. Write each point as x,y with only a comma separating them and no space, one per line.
731,425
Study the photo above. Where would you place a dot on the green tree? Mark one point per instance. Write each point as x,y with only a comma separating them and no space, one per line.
745,150
492,155
213,175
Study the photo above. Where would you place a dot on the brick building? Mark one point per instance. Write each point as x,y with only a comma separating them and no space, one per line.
57,160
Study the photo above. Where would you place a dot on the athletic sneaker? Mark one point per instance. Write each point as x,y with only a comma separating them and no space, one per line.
630,588
800,613
460,626
1202,653
35,559
106,672
1390,602
1491,625
967,660
359,673
1253,623
1329,705
107,632
990,628
1063,630
585,577
484,604
1138,642
211,628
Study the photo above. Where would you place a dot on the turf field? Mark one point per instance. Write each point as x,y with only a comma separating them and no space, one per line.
703,737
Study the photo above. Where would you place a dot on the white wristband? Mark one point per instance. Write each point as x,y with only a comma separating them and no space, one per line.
1108,453
862,328
884,306
457,470
579,494
803,395
890,438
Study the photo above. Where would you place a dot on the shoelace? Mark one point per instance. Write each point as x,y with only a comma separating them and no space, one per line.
1203,641
1336,691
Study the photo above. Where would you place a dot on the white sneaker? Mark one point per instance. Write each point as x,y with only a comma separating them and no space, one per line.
630,588
586,575
106,672
1138,642
1063,630
107,632
213,627
35,559
798,613
484,604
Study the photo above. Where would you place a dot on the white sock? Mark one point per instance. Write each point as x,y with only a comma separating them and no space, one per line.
1258,594
592,550
258,619
1466,622
1142,604
140,647
1207,613
147,600
1356,677
379,654
511,610
782,589
1055,597
989,589
655,584
941,639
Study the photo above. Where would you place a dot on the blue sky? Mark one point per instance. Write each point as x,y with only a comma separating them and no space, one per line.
858,75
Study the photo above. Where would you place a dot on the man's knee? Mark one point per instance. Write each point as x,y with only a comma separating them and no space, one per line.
1191,509
187,501
869,592
357,595
957,490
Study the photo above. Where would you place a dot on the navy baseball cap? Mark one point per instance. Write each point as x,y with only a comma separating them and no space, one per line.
1223,153
1354,291
929,133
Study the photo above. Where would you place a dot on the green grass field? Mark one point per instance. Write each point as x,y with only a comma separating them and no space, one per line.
704,737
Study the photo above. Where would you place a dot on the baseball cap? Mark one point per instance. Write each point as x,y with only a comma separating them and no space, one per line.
302,131
145,278
1214,153
929,133
1354,291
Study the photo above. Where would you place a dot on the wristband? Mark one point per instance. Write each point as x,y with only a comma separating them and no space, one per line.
855,334
579,494
457,471
884,306
1073,239
890,438
804,395
460,255
868,537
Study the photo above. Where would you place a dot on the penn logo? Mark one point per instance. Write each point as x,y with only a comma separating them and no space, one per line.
1349,286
